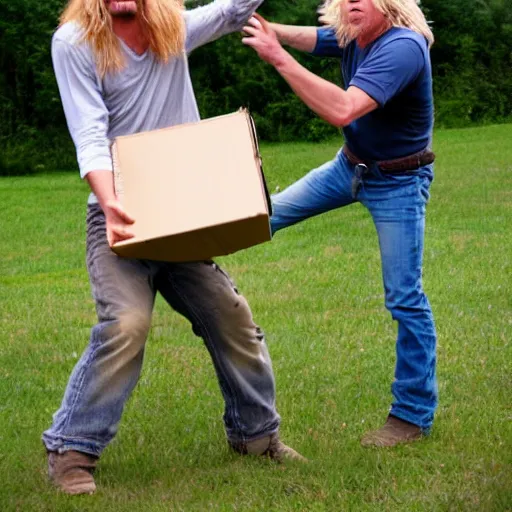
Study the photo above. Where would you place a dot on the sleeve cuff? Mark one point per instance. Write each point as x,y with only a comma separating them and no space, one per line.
239,11
326,43
318,43
371,89
97,164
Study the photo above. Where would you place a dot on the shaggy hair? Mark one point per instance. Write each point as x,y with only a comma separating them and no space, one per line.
162,22
400,13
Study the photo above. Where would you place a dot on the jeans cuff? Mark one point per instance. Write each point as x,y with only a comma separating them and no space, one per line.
61,445
239,441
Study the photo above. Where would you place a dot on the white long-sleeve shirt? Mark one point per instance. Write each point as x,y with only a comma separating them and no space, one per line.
146,94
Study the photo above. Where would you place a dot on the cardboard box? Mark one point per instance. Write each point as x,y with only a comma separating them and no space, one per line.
195,190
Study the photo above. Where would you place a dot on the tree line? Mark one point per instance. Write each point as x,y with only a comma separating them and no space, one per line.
472,67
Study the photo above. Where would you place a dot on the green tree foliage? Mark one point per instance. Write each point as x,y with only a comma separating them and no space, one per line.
472,59
32,124
472,64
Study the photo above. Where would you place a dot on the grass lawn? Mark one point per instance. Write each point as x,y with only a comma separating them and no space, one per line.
316,290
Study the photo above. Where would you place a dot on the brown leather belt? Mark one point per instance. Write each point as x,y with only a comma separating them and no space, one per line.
396,166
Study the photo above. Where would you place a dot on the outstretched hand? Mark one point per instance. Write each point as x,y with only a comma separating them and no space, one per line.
263,39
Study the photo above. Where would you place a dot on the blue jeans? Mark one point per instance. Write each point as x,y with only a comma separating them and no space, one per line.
397,205
104,377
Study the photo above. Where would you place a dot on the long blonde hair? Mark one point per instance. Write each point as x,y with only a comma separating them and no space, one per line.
162,22
400,13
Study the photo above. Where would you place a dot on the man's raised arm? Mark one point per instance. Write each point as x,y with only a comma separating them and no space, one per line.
300,38
216,19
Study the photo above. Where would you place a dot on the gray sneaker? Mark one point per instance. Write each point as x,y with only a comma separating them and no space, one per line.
270,446
393,432
71,471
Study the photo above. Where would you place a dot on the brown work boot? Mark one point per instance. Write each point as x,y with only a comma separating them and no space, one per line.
71,471
394,431
270,446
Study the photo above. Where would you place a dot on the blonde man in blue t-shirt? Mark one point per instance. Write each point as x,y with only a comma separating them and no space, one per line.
386,112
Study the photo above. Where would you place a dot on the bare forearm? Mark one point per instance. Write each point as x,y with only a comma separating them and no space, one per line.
326,99
102,184
117,219
300,38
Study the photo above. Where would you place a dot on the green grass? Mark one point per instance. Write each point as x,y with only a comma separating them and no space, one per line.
316,290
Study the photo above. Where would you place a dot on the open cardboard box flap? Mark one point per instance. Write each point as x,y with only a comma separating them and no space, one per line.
195,190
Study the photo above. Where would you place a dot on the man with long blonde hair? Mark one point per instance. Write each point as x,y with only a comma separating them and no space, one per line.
121,67
386,112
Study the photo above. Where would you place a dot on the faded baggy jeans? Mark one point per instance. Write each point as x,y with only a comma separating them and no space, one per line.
124,291
397,205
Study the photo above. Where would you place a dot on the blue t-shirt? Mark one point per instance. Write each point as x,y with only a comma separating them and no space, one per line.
395,71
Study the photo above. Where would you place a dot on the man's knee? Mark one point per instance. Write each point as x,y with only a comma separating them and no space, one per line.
126,334
117,353
243,340
406,302
135,325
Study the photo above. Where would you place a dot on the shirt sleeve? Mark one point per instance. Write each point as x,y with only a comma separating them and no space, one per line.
390,69
86,113
216,19
326,43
